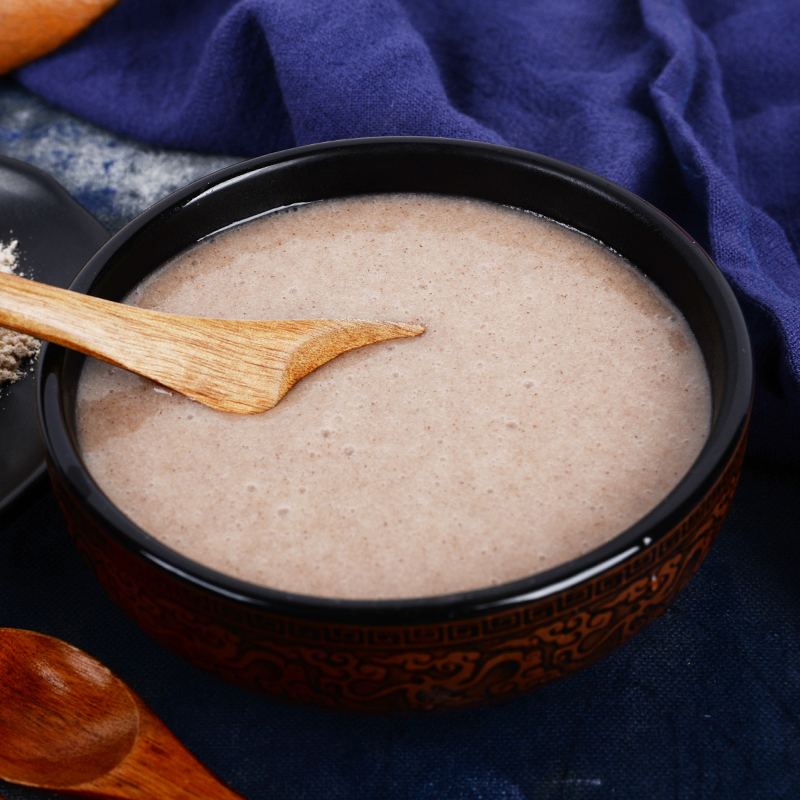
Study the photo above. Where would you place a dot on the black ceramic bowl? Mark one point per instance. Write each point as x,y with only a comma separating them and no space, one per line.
456,650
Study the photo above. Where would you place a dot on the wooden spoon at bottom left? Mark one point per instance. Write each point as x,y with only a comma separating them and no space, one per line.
68,724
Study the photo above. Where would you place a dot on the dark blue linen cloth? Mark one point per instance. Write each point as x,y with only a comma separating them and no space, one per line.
693,104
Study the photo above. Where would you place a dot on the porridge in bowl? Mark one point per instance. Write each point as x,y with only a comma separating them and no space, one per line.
556,397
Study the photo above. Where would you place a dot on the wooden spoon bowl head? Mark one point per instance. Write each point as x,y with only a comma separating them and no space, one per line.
59,706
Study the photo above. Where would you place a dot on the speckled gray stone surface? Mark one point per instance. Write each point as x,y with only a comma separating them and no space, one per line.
112,177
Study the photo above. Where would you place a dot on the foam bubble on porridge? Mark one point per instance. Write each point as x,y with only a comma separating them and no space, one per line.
555,398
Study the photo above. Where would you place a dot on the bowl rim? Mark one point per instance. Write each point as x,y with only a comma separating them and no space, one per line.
726,435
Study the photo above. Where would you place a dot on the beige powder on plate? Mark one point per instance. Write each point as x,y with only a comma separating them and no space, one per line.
15,348
555,397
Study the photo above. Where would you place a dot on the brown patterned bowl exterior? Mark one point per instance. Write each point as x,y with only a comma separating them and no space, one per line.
391,668
401,656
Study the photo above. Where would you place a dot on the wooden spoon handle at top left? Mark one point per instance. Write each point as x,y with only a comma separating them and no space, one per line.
31,28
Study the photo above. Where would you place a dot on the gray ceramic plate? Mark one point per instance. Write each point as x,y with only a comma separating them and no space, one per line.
57,236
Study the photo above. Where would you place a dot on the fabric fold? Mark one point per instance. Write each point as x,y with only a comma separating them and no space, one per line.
751,248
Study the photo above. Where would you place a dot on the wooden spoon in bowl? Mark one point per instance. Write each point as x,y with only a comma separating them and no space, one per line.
68,724
241,366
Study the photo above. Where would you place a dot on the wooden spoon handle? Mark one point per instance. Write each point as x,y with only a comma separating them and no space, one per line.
191,355
31,28
158,766
154,344
90,325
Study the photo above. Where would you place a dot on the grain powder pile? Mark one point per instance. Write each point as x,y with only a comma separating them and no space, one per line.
15,348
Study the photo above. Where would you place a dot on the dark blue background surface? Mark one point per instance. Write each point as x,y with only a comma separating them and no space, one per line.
695,107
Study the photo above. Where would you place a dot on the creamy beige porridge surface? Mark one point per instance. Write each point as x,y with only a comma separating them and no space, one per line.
555,398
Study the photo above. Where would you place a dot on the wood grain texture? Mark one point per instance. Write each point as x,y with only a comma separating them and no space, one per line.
239,366
31,28
67,723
